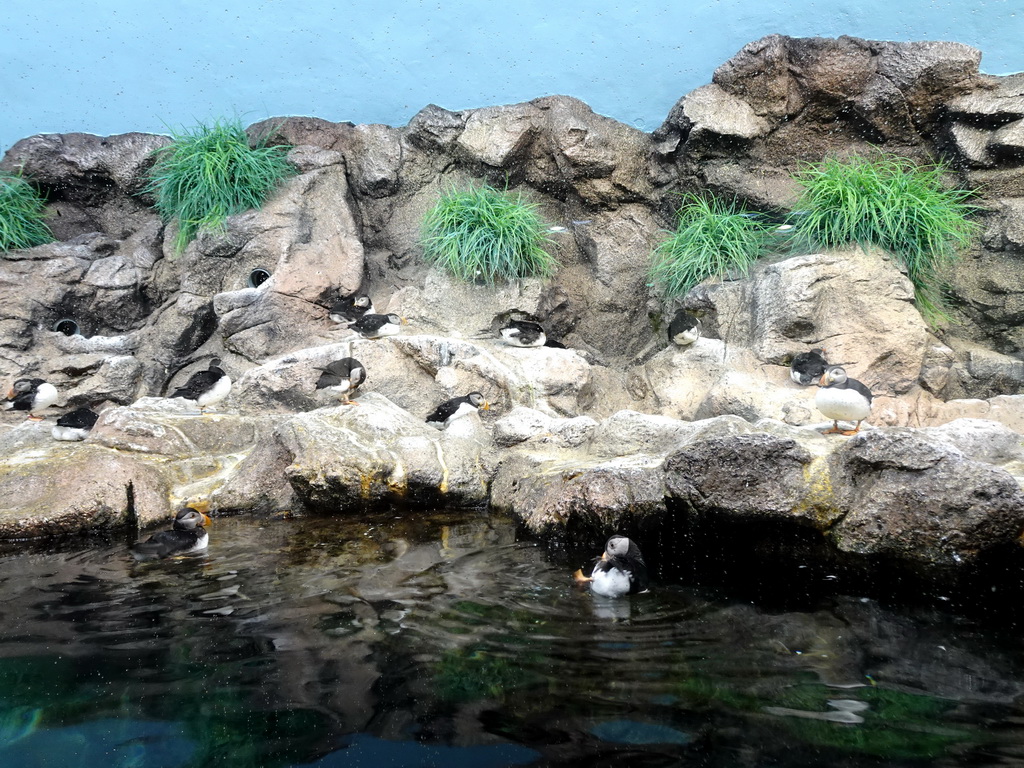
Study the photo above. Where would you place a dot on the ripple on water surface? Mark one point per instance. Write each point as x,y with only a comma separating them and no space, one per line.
440,639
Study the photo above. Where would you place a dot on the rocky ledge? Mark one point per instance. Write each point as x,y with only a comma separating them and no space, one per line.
618,431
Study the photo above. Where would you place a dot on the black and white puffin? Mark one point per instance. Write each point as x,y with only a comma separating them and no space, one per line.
523,333
684,328
456,408
187,535
75,425
841,397
373,326
620,570
207,387
347,309
342,378
808,367
32,395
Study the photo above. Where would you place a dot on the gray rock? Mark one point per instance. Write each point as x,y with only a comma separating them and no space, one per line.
920,501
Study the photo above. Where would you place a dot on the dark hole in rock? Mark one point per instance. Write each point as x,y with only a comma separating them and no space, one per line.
258,277
67,326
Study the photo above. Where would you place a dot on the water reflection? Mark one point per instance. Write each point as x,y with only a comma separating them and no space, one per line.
442,640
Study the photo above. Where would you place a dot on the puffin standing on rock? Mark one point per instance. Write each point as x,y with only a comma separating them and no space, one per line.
841,397
620,570
808,367
32,395
456,408
187,535
342,378
372,326
207,387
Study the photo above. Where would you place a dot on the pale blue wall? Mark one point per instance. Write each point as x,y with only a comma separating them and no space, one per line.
110,66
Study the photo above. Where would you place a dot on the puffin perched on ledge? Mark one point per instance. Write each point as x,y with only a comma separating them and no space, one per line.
75,425
684,328
32,395
523,333
619,571
187,535
347,309
342,378
372,326
456,408
207,387
808,367
841,397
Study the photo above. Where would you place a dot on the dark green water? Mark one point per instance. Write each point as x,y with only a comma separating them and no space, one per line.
443,641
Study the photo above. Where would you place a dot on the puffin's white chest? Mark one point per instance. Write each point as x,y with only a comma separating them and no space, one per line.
685,338
610,583
46,395
845,404
69,434
216,393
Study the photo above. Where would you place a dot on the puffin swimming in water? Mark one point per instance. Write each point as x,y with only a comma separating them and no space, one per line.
342,378
75,425
456,408
207,387
347,309
523,333
188,534
807,367
841,397
32,395
684,328
620,570
371,326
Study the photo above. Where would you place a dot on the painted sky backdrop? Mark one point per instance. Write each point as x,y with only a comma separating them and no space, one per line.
112,66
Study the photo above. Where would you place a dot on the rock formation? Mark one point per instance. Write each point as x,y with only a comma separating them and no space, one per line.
619,429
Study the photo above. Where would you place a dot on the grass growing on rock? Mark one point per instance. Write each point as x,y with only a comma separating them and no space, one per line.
211,172
22,215
713,238
892,203
487,235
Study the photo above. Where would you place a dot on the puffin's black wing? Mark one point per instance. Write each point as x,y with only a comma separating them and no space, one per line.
164,543
807,367
369,323
198,382
529,332
346,368
80,418
856,386
445,410
350,308
682,322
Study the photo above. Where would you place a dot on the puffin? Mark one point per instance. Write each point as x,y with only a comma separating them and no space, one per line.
187,535
32,395
523,333
456,408
841,397
342,378
619,571
207,387
684,328
75,425
348,309
808,367
373,326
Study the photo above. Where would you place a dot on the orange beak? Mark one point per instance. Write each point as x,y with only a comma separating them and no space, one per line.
485,406
10,393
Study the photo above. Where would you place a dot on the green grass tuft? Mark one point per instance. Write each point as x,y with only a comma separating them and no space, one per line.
483,234
22,215
712,238
892,203
209,173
